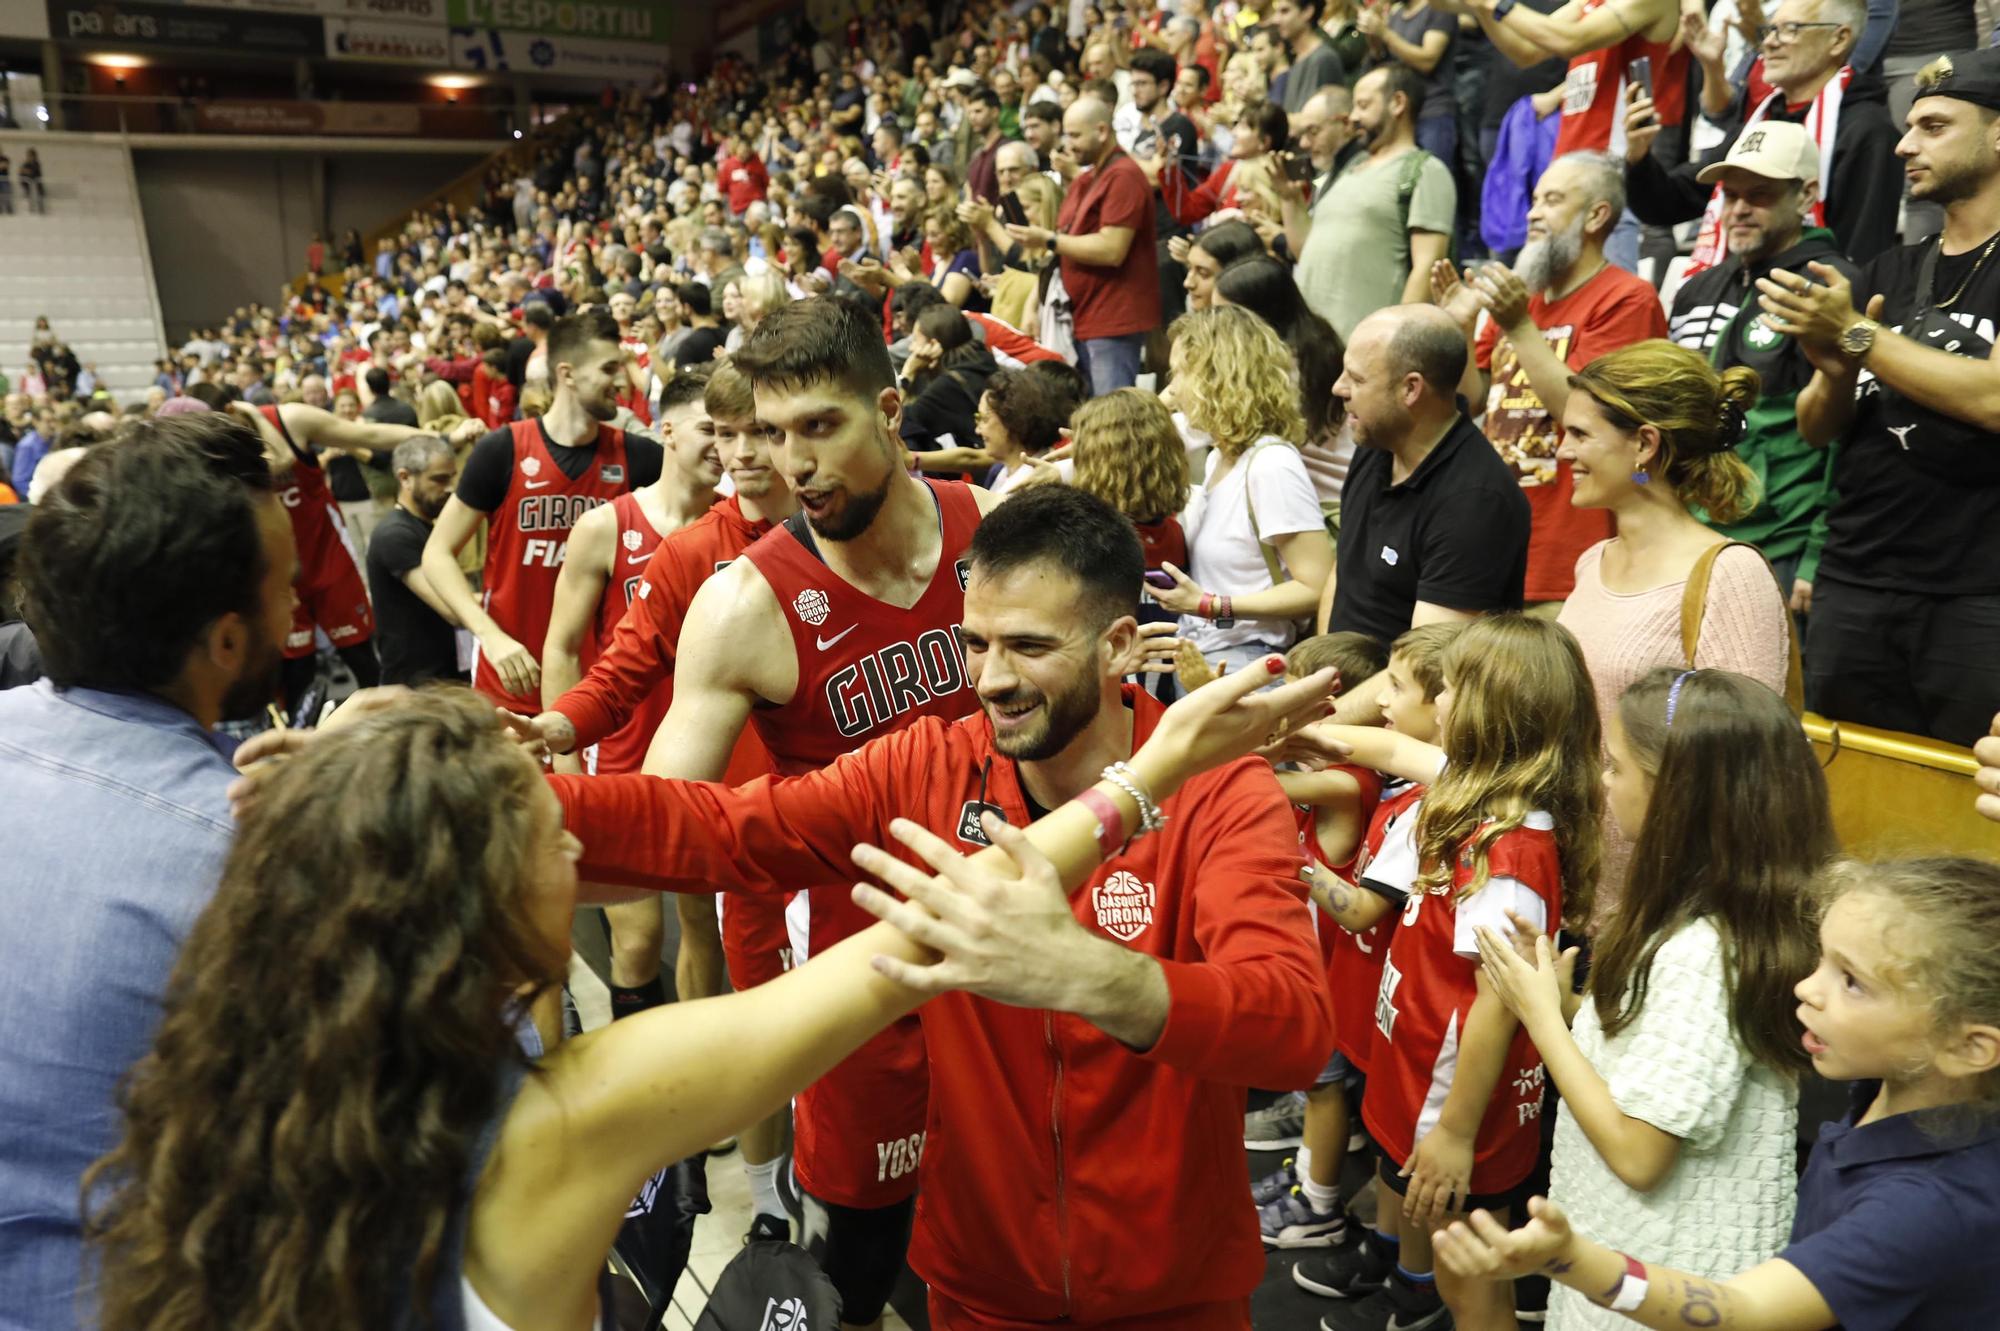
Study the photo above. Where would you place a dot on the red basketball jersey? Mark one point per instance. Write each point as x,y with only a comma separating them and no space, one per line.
865,668
324,556
1428,986
631,553
528,535
1355,968
1593,104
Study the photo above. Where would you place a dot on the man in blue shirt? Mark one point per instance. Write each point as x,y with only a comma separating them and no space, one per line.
34,446
157,578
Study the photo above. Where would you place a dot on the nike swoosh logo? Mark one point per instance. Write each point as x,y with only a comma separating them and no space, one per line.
536,485
1420,1324
825,643
639,559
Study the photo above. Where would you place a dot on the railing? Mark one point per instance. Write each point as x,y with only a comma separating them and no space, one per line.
276,116
1897,795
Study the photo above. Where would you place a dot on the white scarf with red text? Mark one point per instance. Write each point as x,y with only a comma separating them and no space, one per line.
1711,244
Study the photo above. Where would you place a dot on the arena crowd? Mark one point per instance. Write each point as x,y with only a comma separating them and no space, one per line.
1101,561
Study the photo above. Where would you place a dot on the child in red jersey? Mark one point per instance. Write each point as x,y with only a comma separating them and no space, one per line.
1509,829
1299,1205
1363,900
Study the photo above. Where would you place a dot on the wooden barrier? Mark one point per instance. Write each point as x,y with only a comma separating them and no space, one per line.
1897,795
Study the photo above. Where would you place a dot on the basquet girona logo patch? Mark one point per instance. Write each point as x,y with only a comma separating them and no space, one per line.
811,606
1124,906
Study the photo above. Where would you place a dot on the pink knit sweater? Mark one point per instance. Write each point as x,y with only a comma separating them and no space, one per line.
1744,628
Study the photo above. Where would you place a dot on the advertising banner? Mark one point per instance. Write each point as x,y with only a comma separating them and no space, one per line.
388,43
479,50
232,117
131,22
615,20
407,11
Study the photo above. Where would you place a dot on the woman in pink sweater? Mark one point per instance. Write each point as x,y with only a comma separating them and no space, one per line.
1649,436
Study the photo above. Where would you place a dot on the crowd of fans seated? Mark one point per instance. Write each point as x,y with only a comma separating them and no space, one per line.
1432,341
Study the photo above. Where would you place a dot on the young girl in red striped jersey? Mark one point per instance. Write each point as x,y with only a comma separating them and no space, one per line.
1510,826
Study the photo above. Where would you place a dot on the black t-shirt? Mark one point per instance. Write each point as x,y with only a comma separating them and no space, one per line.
518,353
1506,82
1413,28
1454,533
698,347
1917,493
415,643
489,470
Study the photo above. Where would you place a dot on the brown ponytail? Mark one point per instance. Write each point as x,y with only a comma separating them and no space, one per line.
1698,413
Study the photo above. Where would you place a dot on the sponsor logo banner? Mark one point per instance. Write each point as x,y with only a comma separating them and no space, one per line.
391,43
395,118
129,21
480,49
617,20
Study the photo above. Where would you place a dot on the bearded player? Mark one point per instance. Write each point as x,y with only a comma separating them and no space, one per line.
530,483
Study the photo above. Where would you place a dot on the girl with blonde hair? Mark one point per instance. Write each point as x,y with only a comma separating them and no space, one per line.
1259,553
1649,433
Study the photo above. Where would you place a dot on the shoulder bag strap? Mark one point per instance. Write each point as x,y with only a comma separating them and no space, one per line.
1694,602
1271,564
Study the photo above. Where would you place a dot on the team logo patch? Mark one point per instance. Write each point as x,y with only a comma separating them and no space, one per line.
969,829
1762,336
630,539
964,570
811,606
531,466
611,473
787,1316
1390,557
645,590
1124,906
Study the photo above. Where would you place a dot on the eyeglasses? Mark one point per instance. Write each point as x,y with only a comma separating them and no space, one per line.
1787,33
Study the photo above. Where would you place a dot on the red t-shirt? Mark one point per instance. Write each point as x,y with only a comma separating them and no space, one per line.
1594,90
1613,309
1324,926
743,179
1107,301
1429,983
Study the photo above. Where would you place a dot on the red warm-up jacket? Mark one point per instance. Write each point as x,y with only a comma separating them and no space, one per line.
1064,1175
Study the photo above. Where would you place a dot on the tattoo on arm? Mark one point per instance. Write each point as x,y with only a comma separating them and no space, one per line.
1702,1303
1556,1266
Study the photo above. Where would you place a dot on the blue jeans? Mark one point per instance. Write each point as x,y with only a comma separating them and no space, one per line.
1110,363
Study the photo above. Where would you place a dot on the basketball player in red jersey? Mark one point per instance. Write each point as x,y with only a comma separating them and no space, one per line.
600,578
836,627
530,483
635,670
331,591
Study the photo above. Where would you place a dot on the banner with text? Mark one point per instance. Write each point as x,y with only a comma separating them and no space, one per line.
613,20
142,24
485,49
388,43
406,11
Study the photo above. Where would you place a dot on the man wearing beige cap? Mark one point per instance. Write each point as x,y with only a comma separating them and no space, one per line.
1804,47
1767,187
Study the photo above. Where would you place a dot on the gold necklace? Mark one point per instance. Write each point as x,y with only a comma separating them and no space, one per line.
1977,265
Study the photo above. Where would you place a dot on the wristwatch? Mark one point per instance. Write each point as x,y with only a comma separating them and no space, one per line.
1052,242
1503,9
1858,337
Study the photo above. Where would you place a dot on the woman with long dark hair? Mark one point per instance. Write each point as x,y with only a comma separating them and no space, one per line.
1264,286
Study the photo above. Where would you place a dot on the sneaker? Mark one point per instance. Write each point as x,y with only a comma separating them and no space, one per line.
1357,1141
1276,1183
789,1192
766,1227
1291,1222
1277,1127
1400,1306
1351,1272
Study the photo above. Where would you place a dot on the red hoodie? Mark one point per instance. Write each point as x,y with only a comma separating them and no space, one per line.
1064,1176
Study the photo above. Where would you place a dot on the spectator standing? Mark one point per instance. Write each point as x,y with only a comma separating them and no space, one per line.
1314,62
1433,525
1767,187
1650,432
705,334
1906,608
1420,35
1167,147
157,579
1258,549
982,116
1561,306
1806,49
415,631
742,176
1323,131
1104,242
1394,203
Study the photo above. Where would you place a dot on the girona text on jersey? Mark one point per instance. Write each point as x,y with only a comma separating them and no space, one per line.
554,514
892,680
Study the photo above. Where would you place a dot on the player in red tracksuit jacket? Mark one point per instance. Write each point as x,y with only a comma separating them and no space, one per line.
1068,1174
529,483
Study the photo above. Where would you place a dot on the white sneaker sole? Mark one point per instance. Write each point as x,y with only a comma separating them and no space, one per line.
1273,1143
1325,1238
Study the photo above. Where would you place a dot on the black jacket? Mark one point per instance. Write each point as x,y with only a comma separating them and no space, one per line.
1861,199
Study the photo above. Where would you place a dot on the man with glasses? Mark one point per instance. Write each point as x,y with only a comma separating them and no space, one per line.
1906,607
1806,50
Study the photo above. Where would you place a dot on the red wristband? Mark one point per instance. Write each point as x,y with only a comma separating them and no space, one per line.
1110,823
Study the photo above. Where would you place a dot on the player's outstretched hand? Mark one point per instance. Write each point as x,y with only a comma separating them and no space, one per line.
1234,716
1481,1248
1153,652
